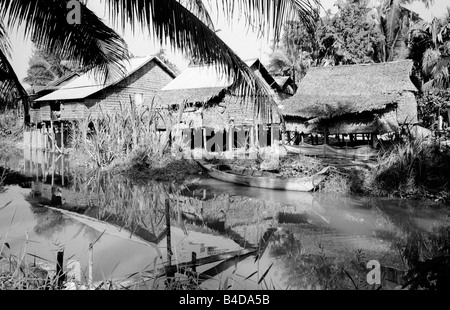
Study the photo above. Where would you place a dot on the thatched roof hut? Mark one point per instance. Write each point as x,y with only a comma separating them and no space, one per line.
362,98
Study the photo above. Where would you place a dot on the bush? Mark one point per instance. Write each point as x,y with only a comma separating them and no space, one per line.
411,169
126,136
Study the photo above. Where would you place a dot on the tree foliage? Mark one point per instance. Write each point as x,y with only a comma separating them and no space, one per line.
430,50
46,67
351,36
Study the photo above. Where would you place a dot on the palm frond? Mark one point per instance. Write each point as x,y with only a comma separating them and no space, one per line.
430,59
5,49
271,15
174,25
91,44
10,87
198,8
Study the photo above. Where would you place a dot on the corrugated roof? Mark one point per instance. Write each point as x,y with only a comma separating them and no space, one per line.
200,83
336,90
281,80
199,77
87,84
61,81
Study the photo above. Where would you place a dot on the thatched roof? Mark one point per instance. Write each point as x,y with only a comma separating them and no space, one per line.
327,92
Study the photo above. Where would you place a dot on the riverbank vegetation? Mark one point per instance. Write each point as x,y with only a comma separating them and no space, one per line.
130,141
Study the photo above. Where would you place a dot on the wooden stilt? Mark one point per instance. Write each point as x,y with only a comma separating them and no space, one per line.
272,135
230,139
62,169
35,138
53,168
62,137
90,265
194,262
52,132
252,136
205,140
169,236
60,276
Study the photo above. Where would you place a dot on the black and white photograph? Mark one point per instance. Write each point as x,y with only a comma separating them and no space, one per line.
239,151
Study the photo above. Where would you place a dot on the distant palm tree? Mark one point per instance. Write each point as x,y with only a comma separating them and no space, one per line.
185,27
430,47
395,22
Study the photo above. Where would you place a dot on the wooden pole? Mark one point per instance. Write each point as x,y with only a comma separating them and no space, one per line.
205,146
53,168
231,139
43,165
35,138
169,236
257,134
62,137
52,130
60,276
194,262
31,137
62,170
90,265
252,136
272,135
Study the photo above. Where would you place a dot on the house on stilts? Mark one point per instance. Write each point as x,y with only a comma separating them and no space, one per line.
351,105
85,97
214,116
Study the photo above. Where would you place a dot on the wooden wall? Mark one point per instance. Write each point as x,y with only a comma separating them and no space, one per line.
231,110
147,81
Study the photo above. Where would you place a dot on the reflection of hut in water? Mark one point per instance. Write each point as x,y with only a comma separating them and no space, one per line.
346,101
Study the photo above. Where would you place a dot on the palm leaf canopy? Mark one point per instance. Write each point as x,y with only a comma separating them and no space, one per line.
173,24
188,28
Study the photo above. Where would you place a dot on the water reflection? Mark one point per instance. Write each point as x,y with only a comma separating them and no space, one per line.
293,240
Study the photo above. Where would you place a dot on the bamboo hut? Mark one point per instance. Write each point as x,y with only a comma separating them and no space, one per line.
363,99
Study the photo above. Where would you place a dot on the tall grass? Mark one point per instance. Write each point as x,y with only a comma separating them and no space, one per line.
413,168
11,125
128,134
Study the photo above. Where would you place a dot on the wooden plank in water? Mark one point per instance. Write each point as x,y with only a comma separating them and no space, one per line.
207,260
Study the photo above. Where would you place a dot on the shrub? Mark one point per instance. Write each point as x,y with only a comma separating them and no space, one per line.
411,168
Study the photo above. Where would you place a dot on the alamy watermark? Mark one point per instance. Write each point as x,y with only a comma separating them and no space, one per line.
374,275
74,15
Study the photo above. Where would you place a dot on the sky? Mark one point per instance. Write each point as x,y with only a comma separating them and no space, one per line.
246,43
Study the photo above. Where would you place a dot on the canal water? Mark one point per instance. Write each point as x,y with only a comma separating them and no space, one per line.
116,228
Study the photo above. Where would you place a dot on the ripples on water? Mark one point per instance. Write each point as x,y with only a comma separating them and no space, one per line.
315,241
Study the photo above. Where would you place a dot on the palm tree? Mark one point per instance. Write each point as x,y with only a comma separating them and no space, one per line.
93,44
295,56
395,22
430,48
